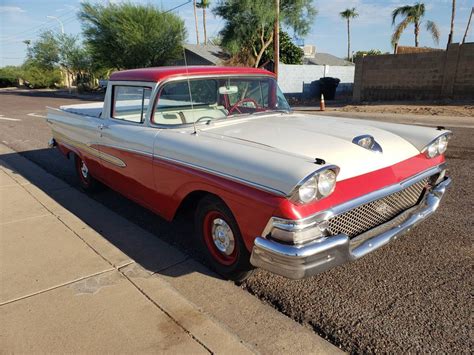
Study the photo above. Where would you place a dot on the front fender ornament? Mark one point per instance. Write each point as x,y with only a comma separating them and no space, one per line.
368,142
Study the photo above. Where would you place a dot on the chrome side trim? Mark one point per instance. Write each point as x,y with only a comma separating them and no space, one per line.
299,261
92,151
310,221
223,175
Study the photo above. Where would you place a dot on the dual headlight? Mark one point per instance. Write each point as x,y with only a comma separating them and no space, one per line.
321,184
437,147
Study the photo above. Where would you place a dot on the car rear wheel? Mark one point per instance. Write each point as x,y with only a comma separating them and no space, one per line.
86,181
222,241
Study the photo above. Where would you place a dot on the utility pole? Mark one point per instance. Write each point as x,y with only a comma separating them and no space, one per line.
468,25
196,22
276,39
453,12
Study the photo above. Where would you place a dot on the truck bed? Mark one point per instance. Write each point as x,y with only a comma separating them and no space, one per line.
93,109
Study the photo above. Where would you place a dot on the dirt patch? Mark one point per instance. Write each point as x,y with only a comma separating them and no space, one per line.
460,110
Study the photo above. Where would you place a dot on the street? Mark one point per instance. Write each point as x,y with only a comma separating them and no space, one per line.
410,296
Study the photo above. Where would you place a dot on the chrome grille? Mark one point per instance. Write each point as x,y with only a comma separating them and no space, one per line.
375,213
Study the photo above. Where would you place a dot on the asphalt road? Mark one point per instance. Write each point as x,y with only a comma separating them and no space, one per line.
411,296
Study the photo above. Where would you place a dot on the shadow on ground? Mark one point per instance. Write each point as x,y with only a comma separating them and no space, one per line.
137,232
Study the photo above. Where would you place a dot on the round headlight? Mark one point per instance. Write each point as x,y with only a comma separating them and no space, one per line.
432,150
442,144
308,191
326,182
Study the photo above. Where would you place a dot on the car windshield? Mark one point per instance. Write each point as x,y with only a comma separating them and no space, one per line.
203,100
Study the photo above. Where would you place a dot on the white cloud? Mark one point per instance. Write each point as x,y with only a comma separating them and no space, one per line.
11,9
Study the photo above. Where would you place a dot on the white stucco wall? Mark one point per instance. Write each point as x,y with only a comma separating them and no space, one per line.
296,79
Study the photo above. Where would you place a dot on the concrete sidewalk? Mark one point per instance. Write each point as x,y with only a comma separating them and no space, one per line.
76,277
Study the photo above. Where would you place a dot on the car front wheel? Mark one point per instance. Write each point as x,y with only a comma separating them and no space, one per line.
222,241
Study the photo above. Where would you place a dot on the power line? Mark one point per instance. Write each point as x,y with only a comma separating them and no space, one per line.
177,7
19,36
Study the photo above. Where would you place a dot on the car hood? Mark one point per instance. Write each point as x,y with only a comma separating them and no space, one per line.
326,138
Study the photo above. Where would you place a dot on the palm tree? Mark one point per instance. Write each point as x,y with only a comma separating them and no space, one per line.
348,14
451,31
196,22
204,4
413,14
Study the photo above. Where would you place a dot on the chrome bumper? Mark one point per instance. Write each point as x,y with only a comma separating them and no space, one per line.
300,261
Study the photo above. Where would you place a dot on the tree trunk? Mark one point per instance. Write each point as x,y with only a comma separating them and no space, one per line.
417,32
196,22
264,46
451,31
348,40
467,27
204,24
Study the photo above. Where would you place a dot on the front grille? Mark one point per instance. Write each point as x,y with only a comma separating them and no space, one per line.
375,213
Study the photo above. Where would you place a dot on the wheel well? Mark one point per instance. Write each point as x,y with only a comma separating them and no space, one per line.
191,201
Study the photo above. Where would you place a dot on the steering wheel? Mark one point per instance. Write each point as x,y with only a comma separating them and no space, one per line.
209,118
236,105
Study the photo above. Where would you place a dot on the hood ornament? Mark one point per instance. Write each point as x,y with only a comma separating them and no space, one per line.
368,142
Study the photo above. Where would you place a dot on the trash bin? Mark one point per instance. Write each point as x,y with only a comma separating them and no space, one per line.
327,87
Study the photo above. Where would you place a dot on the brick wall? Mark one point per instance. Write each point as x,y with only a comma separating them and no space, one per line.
431,75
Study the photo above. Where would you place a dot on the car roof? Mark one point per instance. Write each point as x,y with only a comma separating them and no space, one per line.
161,73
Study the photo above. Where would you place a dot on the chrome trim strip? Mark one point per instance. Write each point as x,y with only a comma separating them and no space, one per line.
310,221
223,175
299,261
92,151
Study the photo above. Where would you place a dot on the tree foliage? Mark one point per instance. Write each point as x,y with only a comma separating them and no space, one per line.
248,28
290,53
412,15
124,35
369,52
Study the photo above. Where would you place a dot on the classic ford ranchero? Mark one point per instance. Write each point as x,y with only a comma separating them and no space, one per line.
290,193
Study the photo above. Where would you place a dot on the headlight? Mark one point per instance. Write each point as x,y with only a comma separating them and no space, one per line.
442,144
326,182
309,190
317,186
437,147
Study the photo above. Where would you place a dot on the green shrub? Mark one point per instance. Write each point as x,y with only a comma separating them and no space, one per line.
38,77
9,76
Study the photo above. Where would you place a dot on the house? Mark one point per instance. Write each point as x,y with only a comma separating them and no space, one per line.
208,54
326,59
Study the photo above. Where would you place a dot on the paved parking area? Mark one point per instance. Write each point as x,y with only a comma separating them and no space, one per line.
412,296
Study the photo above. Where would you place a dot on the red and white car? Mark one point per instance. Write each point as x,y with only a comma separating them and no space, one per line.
290,193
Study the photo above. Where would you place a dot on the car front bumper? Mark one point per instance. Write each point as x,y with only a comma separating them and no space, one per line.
300,261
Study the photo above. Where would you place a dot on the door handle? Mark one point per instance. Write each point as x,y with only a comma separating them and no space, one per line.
103,126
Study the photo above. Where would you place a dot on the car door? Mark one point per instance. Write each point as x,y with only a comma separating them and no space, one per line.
126,141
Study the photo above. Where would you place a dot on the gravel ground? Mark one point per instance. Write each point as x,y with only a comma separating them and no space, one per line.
413,295
465,109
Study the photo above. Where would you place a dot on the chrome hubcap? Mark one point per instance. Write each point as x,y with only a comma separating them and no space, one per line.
84,170
222,236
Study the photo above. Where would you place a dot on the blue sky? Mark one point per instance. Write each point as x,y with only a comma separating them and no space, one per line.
25,19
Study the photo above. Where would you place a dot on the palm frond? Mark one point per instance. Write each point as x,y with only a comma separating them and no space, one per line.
349,13
434,30
399,30
406,10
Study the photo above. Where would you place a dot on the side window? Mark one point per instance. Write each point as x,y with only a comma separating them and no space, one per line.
130,103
